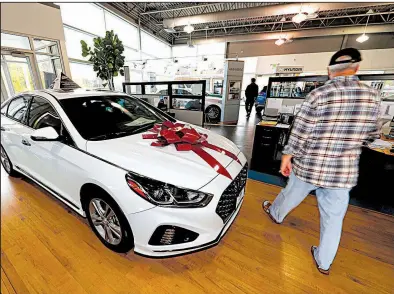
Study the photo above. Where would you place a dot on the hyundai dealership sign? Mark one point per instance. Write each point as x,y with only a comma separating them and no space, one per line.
281,69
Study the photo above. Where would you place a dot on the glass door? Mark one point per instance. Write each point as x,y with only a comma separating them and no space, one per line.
17,73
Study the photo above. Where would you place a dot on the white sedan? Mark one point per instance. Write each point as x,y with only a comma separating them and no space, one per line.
142,179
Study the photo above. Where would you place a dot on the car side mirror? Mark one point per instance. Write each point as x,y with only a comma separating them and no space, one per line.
45,134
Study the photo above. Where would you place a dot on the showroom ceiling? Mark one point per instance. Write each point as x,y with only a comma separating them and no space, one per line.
212,20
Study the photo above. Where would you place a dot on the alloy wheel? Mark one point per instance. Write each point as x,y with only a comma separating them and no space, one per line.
105,221
5,161
213,113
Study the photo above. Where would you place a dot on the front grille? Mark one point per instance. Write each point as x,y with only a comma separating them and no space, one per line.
228,201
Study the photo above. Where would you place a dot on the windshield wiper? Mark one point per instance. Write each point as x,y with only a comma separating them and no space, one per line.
110,135
143,128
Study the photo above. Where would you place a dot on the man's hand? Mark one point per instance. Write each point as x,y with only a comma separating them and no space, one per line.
285,166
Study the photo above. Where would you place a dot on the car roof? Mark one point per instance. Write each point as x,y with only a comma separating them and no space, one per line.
77,93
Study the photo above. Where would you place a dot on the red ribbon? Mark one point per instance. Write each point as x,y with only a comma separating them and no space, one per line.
188,139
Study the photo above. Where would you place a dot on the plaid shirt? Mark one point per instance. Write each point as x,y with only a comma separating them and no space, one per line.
333,123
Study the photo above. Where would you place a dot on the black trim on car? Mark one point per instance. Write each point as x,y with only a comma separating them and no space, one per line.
64,199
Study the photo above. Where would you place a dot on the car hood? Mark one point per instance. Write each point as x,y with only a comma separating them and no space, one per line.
166,164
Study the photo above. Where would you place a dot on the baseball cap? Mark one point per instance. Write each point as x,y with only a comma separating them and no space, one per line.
347,55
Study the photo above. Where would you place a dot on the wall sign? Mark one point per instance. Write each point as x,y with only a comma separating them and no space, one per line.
289,69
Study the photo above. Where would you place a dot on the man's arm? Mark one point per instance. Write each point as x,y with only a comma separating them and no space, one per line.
303,126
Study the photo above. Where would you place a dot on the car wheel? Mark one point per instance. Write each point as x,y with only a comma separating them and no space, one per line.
7,164
108,222
213,113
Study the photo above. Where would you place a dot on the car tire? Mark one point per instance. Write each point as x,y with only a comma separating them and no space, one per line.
212,113
7,164
115,223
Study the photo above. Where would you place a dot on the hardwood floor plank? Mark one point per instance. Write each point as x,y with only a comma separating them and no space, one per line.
47,248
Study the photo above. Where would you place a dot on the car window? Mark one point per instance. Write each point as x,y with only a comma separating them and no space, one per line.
42,114
17,108
108,117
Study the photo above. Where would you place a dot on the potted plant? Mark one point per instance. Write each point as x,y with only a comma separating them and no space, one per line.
106,57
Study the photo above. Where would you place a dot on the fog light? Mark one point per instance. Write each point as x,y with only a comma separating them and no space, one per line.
171,235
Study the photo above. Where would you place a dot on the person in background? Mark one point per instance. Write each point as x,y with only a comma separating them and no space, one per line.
323,151
251,93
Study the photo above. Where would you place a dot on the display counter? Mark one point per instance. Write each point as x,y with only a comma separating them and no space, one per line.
376,172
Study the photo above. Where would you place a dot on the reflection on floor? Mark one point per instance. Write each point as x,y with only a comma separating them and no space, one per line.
242,134
46,248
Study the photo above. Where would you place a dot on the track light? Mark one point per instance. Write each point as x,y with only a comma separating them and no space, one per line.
280,42
365,37
362,38
300,17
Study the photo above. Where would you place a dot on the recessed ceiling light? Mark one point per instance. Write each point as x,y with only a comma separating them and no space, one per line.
300,17
362,38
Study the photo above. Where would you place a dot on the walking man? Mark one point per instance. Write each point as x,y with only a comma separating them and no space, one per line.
251,93
323,151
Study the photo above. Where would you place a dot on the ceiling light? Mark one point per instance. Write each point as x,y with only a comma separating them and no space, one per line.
365,37
280,42
300,17
188,29
362,38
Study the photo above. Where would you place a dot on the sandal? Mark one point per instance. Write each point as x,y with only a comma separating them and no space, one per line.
266,207
323,271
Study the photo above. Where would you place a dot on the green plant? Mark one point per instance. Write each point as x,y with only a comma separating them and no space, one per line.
106,56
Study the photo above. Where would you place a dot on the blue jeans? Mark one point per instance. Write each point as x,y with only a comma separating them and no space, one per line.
332,204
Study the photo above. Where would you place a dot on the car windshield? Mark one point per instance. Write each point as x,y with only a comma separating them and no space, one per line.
109,117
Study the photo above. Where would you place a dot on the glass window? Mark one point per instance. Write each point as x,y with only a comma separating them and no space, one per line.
42,114
14,41
49,68
156,89
108,117
17,108
20,74
154,47
46,46
85,16
126,32
84,75
73,43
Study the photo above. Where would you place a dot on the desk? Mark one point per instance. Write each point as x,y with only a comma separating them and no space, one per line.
376,168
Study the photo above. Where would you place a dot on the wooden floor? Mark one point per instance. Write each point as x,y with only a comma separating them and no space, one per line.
45,248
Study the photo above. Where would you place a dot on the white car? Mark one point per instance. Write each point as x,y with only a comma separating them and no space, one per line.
102,154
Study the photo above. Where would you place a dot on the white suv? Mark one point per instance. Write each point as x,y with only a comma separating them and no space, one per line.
113,158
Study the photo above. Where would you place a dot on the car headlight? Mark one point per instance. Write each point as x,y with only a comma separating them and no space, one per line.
164,194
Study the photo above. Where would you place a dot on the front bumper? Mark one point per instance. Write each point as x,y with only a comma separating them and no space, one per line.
204,221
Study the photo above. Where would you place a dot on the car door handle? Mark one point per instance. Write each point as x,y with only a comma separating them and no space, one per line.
4,129
25,142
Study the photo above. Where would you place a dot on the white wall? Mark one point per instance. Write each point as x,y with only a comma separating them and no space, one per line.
378,59
37,20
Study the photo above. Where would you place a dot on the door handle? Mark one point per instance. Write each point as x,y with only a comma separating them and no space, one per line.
25,142
4,129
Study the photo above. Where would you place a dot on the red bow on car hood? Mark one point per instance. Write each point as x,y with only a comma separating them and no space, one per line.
188,139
